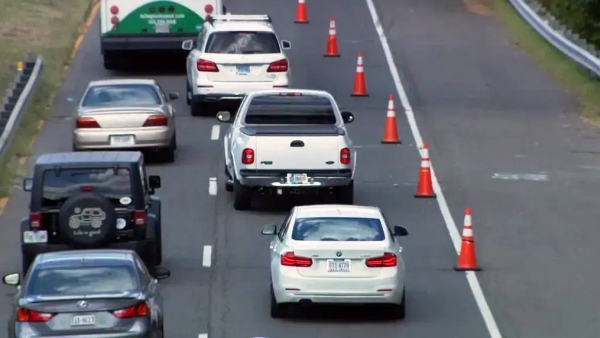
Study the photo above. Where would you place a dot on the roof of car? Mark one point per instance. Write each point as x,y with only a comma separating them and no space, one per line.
243,26
337,210
89,157
108,82
70,258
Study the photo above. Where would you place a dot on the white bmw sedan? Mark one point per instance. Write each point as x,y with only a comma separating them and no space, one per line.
336,254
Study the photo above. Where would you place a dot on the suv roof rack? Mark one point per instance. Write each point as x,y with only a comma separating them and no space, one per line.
242,18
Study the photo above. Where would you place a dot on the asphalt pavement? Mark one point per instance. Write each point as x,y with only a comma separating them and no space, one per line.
484,108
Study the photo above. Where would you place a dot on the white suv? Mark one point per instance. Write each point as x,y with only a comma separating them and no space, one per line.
234,55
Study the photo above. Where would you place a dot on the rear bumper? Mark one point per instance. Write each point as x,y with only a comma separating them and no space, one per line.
27,333
84,139
140,43
238,90
278,179
142,248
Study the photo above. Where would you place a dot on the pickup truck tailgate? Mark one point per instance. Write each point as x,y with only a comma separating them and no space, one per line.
298,152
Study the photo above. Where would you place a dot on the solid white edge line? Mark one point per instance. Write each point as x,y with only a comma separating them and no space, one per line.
203,335
212,186
484,308
215,132
207,256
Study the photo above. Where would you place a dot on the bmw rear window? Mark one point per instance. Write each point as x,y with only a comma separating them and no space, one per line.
290,109
242,43
344,229
124,95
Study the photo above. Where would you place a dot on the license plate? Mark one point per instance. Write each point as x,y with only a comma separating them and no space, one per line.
161,28
83,320
122,140
338,265
243,70
298,178
35,236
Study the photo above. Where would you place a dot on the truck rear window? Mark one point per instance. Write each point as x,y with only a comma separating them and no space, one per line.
58,185
242,43
276,109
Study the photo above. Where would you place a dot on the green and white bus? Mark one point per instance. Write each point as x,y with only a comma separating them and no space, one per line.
128,26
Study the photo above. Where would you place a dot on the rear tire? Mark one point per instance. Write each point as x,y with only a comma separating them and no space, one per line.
196,109
399,311
228,186
168,154
242,197
110,61
278,310
25,263
188,93
345,195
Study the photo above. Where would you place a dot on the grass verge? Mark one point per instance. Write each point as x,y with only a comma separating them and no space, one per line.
570,75
49,28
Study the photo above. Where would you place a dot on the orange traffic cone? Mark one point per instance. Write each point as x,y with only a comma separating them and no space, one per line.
301,16
360,87
466,259
390,132
425,187
332,46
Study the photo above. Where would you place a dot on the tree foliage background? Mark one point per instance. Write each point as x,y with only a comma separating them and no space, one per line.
581,16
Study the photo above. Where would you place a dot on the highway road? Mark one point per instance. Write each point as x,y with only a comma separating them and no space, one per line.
490,117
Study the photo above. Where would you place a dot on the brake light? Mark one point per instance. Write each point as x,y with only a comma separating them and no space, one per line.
86,123
30,316
278,66
345,156
387,260
139,310
290,259
87,188
139,217
114,20
248,156
35,220
161,9
208,9
156,121
206,66
290,94
114,10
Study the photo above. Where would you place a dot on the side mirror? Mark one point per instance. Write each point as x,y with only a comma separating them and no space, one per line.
187,45
224,116
173,96
285,45
154,181
347,116
162,273
12,279
27,184
269,230
400,231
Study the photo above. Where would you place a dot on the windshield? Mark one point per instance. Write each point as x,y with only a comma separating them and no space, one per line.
121,96
242,43
58,185
338,229
82,281
279,109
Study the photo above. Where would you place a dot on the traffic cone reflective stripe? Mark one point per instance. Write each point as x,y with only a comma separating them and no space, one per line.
467,260
390,132
301,16
332,46
360,87
425,186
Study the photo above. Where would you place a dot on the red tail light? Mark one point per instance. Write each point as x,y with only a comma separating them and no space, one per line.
345,156
87,122
156,121
87,188
139,310
387,260
114,20
114,10
206,66
35,220
209,9
278,66
161,9
30,316
289,259
248,156
139,217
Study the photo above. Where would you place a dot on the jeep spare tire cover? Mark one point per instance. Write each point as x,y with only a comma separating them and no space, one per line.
87,219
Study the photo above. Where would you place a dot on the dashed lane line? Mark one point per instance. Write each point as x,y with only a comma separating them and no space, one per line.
215,133
212,186
207,256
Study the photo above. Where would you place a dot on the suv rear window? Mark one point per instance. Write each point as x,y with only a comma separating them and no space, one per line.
130,95
58,185
242,43
344,229
278,109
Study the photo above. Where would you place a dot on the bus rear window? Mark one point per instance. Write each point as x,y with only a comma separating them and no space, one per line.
277,109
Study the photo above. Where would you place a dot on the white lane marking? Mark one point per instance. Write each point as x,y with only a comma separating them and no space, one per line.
212,186
517,177
484,308
203,335
215,133
207,256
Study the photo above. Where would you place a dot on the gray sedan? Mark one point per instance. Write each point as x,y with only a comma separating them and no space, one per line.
126,114
91,293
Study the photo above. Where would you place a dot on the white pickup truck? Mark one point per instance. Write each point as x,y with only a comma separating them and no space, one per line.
288,141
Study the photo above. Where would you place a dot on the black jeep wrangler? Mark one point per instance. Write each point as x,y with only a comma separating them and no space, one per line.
89,200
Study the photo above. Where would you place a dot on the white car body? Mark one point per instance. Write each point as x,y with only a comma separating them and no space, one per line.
316,284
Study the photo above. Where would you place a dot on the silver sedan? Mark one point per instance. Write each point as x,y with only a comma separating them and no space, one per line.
126,114
336,254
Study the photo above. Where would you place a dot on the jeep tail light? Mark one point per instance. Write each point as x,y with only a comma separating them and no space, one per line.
278,66
35,220
30,316
206,66
156,121
345,156
139,217
139,310
387,260
248,156
290,259
86,123
209,9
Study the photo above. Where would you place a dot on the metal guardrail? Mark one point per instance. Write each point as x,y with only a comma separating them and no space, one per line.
558,35
17,98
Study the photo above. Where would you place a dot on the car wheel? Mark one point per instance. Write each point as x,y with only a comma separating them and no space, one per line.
399,311
168,154
228,181
110,62
188,93
196,108
158,252
25,263
345,195
242,198
277,310
175,140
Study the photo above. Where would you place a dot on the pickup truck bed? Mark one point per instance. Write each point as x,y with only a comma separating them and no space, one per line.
294,130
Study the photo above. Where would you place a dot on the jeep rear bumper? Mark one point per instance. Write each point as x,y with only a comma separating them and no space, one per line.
142,248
